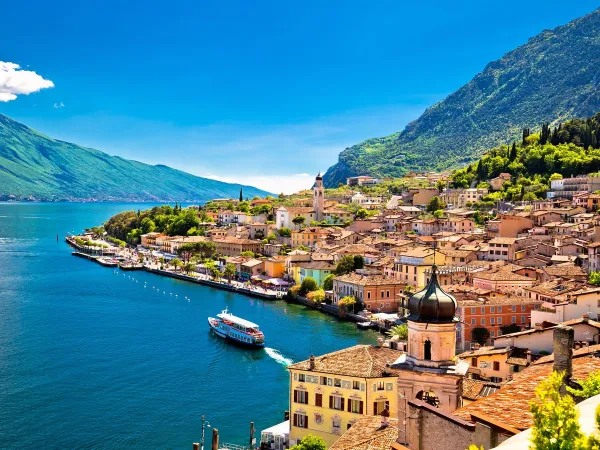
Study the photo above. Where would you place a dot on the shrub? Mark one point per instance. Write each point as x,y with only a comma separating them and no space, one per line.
317,296
309,284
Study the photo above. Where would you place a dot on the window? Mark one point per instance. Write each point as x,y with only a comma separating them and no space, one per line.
301,397
380,386
427,350
473,321
492,321
514,308
301,377
483,310
368,294
522,308
522,319
387,294
322,381
379,406
492,309
337,382
514,319
500,308
301,420
336,425
496,365
336,402
483,321
492,333
318,399
356,385
355,406
499,320
474,362
473,310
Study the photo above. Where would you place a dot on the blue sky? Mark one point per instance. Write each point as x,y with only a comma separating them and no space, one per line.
266,93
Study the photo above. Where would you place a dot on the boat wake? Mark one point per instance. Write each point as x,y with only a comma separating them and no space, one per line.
278,357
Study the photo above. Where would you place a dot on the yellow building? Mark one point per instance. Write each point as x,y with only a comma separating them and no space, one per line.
413,265
275,267
329,393
309,236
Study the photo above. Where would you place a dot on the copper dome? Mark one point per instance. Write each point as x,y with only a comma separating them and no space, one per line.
432,304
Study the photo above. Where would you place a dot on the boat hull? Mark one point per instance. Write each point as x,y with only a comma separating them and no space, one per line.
214,326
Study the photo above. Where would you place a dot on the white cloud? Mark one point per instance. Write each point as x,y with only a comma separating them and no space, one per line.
14,81
286,183
59,105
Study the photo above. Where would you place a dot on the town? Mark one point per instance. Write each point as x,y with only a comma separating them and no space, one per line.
478,300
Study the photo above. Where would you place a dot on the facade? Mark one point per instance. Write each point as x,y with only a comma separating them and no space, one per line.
460,197
319,270
378,293
411,265
328,394
232,246
319,198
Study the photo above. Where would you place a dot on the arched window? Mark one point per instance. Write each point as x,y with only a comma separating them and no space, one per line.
429,397
428,350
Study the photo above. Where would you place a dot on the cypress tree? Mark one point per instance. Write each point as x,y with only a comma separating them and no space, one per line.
241,196
513,152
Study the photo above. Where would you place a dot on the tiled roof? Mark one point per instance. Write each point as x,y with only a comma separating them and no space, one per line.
363,361
501,275
368,280
368,434
591,350
484,351
474,389
316,265
565,271
510,405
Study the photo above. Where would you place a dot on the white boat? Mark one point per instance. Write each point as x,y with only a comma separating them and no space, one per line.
236,329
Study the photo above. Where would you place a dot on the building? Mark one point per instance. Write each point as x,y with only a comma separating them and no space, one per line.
497,183
275,267
378,293
232,246
460,197
319,198
329,393
411,265
310,236
506,249
509,226
428,372
369,433
149,239
319,270
585,302
362,180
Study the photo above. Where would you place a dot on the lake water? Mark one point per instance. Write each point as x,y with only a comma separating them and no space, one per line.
91,358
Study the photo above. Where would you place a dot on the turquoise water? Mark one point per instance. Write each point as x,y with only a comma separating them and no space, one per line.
90,358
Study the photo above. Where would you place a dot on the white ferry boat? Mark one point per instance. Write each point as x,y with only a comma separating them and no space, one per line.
237,329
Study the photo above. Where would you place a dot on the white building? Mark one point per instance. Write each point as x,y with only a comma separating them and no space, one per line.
578,304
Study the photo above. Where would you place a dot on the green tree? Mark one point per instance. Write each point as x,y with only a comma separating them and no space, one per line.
347,303
438,214
229,271
247,254
284,232
241,195
590,386
399,330
310,442
188,267
328,282
309,284
362,213
359,262
555,176
317,296
529,197
345,265
509,329
299,220
480,335
434,204
594,278
555,418
177,263
147,225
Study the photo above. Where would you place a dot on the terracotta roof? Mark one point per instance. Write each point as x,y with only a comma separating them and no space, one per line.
368,434
510,405
501,275
565,271
484,351
474,389
316,265
368,280
364,361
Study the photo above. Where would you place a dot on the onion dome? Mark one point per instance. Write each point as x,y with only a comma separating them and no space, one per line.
432,304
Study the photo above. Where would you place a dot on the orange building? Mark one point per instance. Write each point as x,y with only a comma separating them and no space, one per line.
275,267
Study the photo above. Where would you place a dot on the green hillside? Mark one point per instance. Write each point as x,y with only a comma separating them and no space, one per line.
32,164
553,77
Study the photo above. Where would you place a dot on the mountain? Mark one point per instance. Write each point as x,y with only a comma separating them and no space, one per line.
32,164
553,77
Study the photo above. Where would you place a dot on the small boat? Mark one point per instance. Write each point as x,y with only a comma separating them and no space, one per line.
236,329
364,325
108,262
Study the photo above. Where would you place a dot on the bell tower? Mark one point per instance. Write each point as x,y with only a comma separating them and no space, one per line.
319,197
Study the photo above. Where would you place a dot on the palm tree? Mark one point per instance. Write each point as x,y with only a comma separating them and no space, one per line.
188,267
399,330
176,263
229,271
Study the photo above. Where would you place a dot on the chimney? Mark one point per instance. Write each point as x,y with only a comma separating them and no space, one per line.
215,439
564,337
528,357
312,362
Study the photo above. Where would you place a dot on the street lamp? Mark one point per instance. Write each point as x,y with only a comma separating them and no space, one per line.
204,424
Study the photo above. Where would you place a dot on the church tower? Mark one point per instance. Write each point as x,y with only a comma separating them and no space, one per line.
319,198
428,372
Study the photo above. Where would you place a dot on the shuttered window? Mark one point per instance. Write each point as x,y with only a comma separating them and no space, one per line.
318,399
300,421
